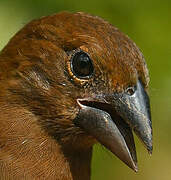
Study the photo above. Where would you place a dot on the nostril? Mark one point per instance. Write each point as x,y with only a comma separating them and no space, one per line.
130,91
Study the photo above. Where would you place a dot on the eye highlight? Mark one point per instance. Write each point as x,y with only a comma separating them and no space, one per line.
81,65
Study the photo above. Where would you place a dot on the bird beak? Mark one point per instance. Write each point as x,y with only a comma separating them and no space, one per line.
111,118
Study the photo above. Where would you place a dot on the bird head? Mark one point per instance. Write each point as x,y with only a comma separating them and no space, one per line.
84,80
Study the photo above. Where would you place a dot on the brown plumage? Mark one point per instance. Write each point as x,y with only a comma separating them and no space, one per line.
43,95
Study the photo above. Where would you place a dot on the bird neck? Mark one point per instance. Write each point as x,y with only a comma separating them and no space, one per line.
30,153
79,163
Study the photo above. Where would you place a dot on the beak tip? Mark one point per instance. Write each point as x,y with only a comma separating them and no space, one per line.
132,164
150,150
134,167
149,146
146,139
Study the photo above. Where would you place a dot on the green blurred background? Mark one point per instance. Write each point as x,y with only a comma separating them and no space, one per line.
148,23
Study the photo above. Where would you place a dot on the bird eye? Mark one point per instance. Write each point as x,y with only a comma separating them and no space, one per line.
130,90
81,65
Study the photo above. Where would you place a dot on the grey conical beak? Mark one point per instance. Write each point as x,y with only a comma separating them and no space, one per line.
111,121
135,110
100,125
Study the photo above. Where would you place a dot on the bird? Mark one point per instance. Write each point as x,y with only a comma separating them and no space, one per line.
67,82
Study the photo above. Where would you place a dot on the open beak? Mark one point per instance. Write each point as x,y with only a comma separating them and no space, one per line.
111,118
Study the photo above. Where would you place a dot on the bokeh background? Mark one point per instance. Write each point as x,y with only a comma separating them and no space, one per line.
148,23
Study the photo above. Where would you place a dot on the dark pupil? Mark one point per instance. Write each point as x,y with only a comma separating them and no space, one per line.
82,65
